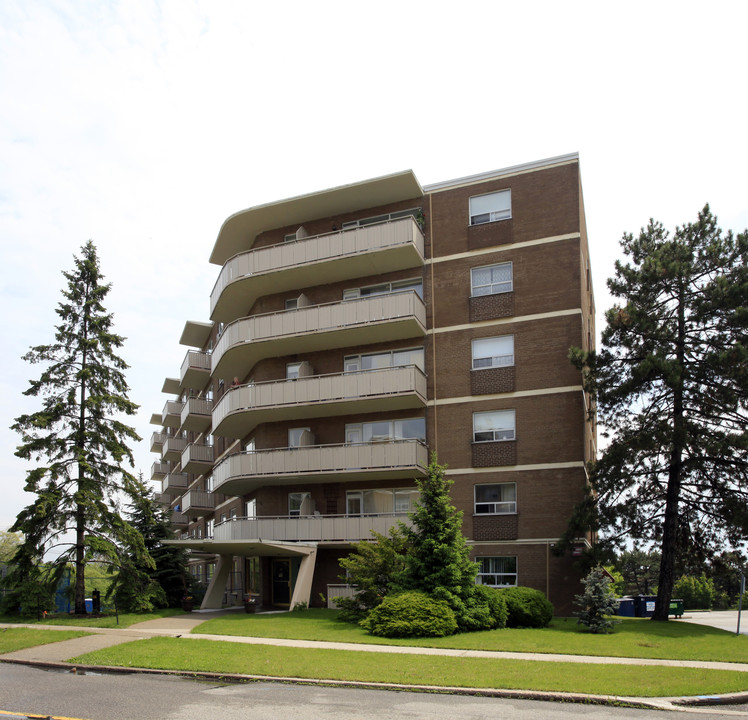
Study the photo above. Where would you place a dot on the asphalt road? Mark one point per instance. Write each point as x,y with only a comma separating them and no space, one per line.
27,690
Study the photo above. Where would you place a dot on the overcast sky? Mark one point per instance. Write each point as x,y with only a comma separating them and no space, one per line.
142,125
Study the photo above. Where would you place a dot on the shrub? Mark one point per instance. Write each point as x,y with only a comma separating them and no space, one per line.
527,607
496,604
696,592
597,602
410,614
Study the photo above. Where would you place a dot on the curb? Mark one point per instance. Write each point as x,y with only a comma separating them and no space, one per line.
540,695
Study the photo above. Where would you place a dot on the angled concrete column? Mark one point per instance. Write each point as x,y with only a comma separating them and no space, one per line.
302,590
214,594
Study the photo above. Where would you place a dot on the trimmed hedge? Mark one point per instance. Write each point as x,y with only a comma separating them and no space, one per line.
527,607
410,614
496,603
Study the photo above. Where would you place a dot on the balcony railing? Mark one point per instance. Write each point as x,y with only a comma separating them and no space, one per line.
157,441
242,408
197,458
195,371
387,460
197,502
179,519
318,327
170,416
159,470
174,484
328,258
172,448
315,528
196,414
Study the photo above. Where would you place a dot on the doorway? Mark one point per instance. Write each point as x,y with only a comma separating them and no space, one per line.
280,571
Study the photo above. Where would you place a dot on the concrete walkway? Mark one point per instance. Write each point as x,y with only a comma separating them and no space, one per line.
56,654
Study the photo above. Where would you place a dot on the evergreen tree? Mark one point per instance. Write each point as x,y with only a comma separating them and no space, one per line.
139,586
78,439
670,383
437,562
597,602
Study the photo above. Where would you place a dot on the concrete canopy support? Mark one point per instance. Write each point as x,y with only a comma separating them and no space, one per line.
214,594
302,590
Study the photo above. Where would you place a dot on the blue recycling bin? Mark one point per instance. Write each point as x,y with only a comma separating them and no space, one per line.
644,605
626,607
89,605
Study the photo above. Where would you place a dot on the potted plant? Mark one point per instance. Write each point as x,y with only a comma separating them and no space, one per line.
187,603
249,604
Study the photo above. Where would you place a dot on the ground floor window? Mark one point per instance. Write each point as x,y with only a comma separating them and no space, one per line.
497,571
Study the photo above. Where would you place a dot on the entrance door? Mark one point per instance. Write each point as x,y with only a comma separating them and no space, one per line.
281,573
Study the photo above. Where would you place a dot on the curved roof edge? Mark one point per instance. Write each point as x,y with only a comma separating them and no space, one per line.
239,230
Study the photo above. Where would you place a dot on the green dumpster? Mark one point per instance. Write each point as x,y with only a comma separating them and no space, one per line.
676,608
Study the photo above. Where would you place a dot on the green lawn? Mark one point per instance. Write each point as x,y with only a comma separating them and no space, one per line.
265,660
12,639
632,638
108,621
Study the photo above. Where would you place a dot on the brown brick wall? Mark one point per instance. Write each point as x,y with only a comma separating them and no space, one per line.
490,454
485,381
494,527
490,307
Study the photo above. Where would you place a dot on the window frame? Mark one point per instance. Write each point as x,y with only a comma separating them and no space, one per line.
492,358
488,216
496,573
512,504
492,285
497,427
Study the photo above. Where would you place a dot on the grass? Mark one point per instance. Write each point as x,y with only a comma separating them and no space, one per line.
12,639
106,621
633,638
346,665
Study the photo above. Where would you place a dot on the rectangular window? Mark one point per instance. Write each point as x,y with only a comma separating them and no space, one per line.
373,502
498,499
232,514
299,503
497,571
413,212
494,425
491,207
376,361
493,352
209,528
386,431
251,508
292,371
491,279
296,437
385,289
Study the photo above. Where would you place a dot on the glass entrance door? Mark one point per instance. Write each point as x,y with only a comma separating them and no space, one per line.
281,574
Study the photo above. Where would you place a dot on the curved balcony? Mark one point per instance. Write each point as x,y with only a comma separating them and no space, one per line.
196,503
195,370
329,258
395,460
309,528
364,321
172,448
197,458
174,484
196,414
242,408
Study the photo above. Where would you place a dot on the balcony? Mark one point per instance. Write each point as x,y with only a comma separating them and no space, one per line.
196,414
171,414
157,441
179,519
172,449
197,458
318,260
196,503
159,470
309,528
364,321
195,371
174,484
163,498
390,460
242,408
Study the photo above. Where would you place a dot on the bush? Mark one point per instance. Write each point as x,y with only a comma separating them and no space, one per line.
496,604
597,602
527,607
697,593
410,614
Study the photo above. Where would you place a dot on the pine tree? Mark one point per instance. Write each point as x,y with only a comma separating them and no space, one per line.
597,602
78,439
671,385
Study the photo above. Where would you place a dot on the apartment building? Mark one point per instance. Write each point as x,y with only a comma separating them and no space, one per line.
354,331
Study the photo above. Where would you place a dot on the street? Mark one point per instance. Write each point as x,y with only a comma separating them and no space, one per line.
25,690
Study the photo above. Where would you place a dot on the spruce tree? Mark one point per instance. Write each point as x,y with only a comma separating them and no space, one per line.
671,383
77,439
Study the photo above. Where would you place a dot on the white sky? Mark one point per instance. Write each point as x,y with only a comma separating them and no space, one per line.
142,125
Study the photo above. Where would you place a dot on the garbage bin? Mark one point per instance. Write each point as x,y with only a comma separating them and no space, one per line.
89,605
676,608
644,605
626,607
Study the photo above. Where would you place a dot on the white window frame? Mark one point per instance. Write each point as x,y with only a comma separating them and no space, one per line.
479,288
496,507
414,284
491,568
494,426
356,433
490,207
354,363
251,508
355,501
374,219
293,441
292,370
483,350
303,499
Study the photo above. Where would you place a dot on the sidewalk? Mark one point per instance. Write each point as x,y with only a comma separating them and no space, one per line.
56,654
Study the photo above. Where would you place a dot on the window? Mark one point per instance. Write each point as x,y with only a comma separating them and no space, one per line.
496,499
251,508
413,212
370,502
299,503
289,237
493,352
497,571
232,514
292,371
491,279
494,425
385,289
292,303
376,361
386,431
209,528
296,436
491,207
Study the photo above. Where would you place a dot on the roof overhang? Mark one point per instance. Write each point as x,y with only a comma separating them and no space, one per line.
244,548
239,231
195,334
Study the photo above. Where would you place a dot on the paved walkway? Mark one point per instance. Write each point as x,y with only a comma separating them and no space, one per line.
55,654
